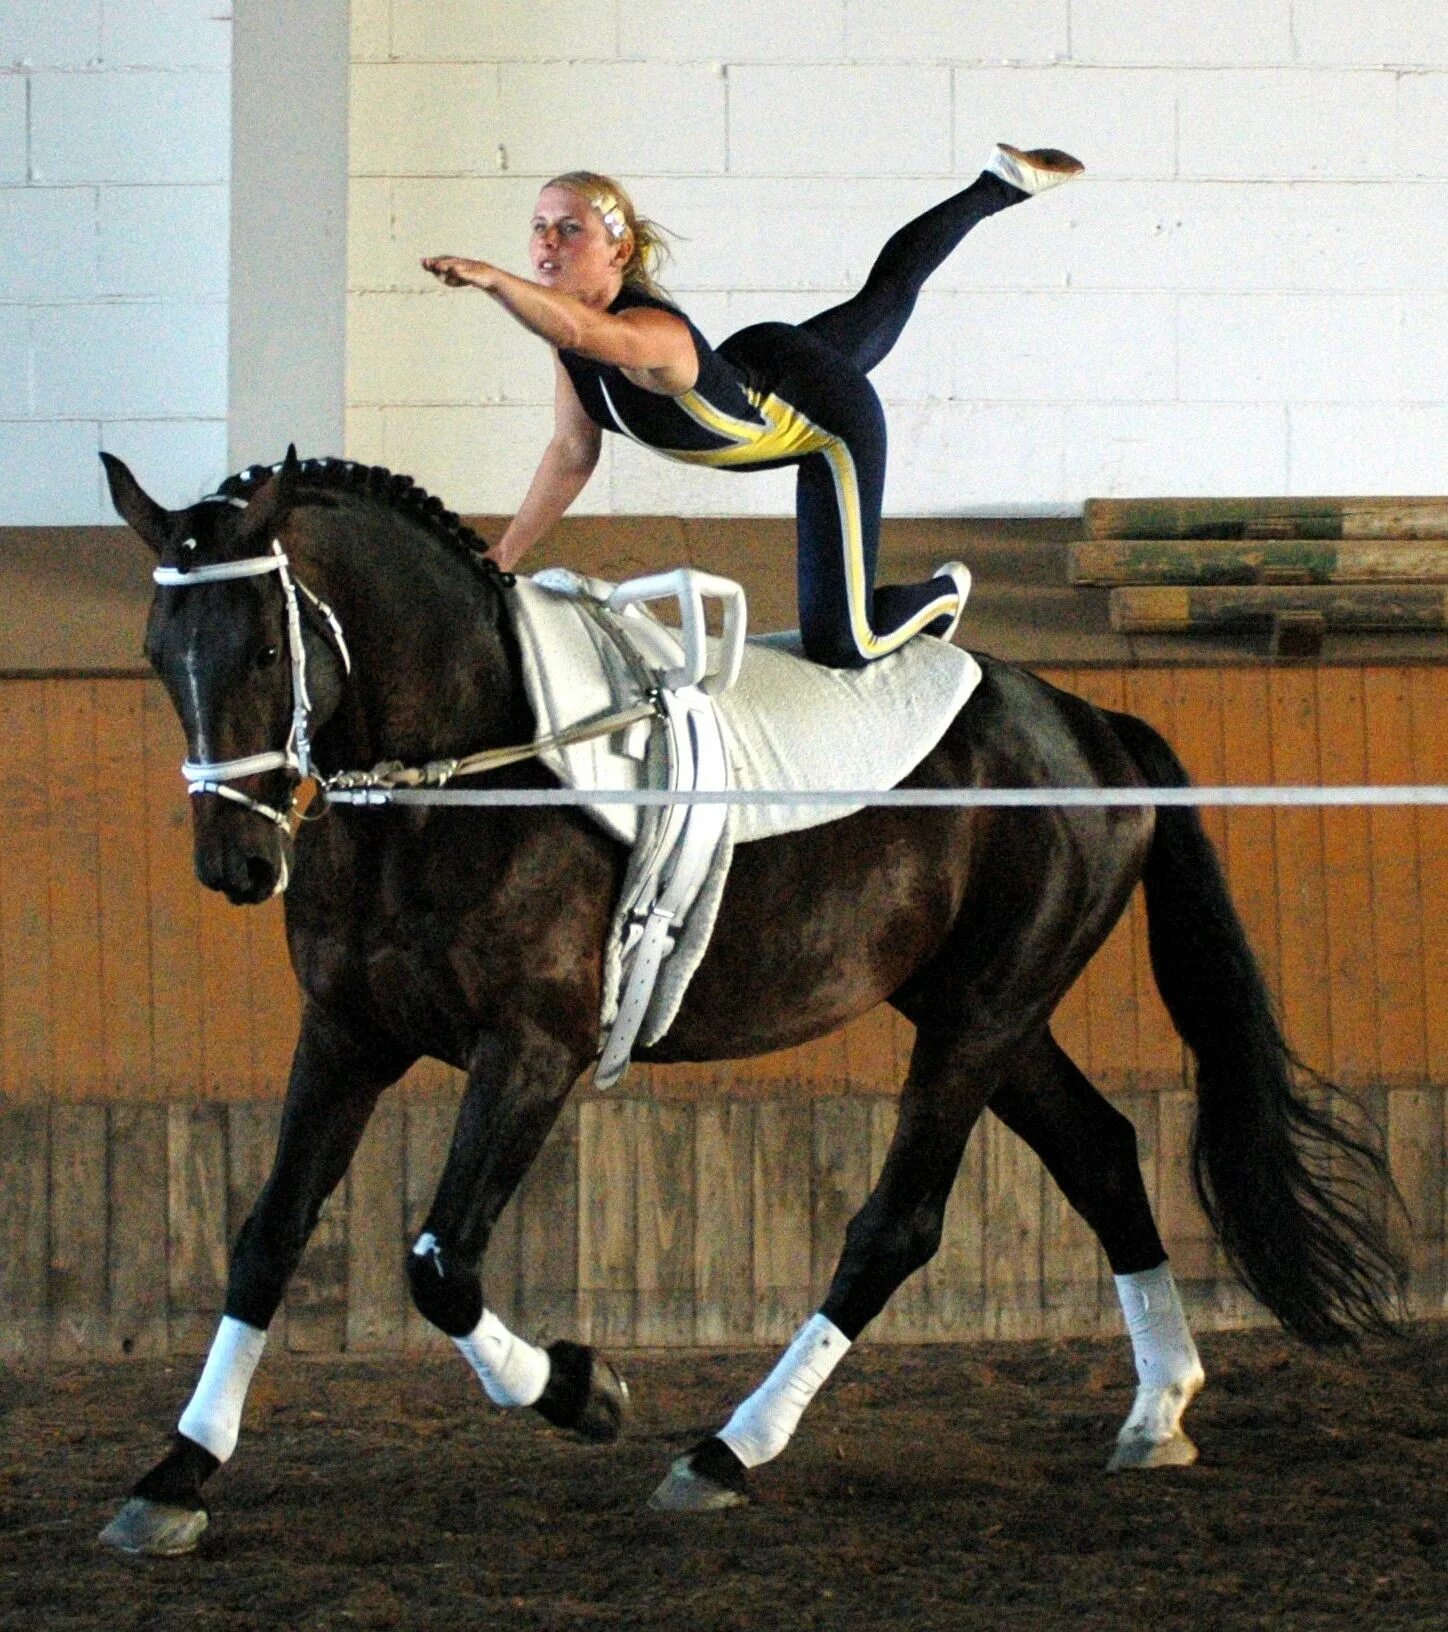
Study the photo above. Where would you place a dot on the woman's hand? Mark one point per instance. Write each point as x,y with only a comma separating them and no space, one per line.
458,272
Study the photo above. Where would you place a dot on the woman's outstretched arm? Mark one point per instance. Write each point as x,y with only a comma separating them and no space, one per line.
567,463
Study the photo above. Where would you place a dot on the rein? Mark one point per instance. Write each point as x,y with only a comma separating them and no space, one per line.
345,787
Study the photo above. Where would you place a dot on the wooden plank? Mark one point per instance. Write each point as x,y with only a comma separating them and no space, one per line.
1415,1149
724,1223
1250,854
1397,894
79,1289
429,1125
196,1222
1196,1260
24,1233
607,1220
781,1219
1250,608
276,1008
1114,562
548,1235
377,1295
1301,891
1340,517
124,905
1428,700
870,1045
224,976
75,950
28,1062
1347,864
175,907
251,1146
954,1280
840,1155
138,1188
665,1268
1012,1247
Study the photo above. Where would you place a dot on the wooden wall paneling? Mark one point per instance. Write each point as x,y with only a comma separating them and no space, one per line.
955,1277
841,1162
548,1234
251,1143
175,937
1415,1148
1301,891
79,1230
138,1185
1251,856
377,1294
1196,1260
666,1210
1428,694
429,1127
317,1296
1398,903
1072,1264
607,1219
124,887
871,1052
74,866
782,1160
224,975
197,1221
724,1222
28,1063
1347,861
25,1322
500,1264
1012,1247
1150,695
896,1322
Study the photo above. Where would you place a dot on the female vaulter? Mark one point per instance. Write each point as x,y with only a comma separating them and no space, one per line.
627,360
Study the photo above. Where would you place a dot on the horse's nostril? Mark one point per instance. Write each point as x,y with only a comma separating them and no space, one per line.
261,877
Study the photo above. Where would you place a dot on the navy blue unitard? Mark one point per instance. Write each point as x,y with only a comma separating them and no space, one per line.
786,394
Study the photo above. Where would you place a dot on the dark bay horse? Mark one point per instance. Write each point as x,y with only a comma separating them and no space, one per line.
476,936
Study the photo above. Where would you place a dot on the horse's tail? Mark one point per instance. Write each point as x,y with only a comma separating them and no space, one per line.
1294,1198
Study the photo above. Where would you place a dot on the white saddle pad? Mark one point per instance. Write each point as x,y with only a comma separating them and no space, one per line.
789,724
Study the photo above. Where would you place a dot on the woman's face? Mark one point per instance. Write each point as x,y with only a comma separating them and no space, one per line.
571,249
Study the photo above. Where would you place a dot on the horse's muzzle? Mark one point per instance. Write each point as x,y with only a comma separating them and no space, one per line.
240,854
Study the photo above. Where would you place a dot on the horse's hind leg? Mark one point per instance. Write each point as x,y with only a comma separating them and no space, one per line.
336,1078
894,1233
1089,1149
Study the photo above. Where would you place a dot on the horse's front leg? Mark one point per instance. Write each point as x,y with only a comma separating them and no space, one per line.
336,1077
516,1088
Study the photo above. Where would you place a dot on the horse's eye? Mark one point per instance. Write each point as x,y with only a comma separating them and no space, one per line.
266,657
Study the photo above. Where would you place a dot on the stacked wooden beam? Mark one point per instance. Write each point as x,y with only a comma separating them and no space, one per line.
1293,567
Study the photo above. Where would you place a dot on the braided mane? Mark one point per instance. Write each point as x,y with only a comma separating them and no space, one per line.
376,482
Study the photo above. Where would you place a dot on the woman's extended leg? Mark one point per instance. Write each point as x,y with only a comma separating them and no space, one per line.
867,325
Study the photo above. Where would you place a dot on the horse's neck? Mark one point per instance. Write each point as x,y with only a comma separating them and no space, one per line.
434,668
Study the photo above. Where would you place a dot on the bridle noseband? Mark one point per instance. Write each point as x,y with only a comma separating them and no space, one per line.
213,776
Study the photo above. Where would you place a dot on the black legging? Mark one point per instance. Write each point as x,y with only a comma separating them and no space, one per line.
818,368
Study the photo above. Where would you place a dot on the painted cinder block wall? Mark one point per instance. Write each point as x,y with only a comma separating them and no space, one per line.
115,155
1248,293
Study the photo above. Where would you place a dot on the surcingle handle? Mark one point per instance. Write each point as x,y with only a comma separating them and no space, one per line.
689,587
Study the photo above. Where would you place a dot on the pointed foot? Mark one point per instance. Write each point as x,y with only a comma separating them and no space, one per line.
154,1529
1137,1451
704,1480
584,1394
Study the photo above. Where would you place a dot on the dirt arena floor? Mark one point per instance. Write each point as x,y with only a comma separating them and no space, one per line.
944,1487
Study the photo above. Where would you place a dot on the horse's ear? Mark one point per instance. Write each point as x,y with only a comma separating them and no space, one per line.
275,496
135,506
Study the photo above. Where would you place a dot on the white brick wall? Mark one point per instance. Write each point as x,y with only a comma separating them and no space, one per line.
115,138
1248,292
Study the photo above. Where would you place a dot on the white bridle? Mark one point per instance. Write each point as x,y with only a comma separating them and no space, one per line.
212,776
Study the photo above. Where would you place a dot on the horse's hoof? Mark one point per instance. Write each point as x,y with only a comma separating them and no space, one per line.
1137,1451
154,1529
704,1480
584,1394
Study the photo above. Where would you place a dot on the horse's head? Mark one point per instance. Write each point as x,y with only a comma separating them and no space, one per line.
219,639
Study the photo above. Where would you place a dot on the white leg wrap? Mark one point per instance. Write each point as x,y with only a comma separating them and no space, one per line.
765,1423
1160,1340
213,1418
511,1371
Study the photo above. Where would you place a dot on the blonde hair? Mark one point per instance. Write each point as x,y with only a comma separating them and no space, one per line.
648,249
